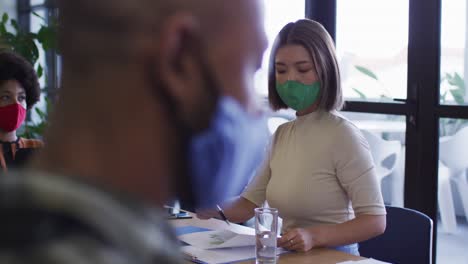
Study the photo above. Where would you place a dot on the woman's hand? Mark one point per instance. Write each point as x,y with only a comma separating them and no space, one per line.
297,239
236,210
361,228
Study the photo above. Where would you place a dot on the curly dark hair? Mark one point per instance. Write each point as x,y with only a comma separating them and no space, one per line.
15,67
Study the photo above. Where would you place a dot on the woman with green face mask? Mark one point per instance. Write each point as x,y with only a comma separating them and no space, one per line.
320,174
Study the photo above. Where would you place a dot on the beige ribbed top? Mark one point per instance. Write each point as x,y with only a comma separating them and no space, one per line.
320,171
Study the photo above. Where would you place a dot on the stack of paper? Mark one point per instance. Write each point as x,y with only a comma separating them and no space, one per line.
218,239
219,246
220,255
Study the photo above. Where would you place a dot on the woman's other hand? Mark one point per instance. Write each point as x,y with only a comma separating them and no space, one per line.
297,239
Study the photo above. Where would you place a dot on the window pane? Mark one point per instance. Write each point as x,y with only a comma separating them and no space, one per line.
37,2
452,235
277,14
372,43
454,60
8,6
36,23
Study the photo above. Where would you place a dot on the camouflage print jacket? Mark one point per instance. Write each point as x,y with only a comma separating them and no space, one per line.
52,219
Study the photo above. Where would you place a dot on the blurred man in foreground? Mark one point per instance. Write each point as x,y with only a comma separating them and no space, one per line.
155,104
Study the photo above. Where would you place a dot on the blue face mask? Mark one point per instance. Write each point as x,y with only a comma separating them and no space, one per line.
224,157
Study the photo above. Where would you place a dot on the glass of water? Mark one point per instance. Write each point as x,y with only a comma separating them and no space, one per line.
266,230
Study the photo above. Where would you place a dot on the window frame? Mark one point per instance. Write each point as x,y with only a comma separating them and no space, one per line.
423,110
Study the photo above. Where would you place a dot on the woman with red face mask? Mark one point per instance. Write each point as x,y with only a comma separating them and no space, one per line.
19,91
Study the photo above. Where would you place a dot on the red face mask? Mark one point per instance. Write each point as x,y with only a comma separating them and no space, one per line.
11,117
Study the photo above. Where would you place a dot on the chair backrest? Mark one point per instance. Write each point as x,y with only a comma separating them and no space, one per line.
407,238
384,152
454,150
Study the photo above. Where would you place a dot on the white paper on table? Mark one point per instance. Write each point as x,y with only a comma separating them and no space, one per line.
222,255
219,255
218,239
364,261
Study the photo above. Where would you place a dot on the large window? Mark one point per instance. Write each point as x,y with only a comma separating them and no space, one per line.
414,51
277,14
453,133
372,46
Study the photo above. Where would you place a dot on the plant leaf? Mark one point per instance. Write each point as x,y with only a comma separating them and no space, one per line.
7,40
459,82
24,44
361,95
367,72
458,92
47,37
456,80
5,18
40,113
40,71
442,97
458,95
3,24
39,16
2,29
14,24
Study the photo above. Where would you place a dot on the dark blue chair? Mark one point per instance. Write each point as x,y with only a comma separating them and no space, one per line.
407,238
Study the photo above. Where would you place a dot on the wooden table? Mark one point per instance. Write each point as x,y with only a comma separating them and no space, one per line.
314,256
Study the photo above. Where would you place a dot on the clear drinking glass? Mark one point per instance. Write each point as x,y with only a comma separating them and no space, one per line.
266,230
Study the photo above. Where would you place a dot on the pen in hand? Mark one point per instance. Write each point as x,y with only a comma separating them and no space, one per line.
223,216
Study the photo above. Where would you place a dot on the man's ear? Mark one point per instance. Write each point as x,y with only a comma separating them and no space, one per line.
177,63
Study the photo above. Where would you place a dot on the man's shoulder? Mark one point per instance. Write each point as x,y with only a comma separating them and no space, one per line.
45,211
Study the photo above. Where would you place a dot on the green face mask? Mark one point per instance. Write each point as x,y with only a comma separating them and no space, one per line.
298,96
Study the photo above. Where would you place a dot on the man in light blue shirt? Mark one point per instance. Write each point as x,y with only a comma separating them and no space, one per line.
155,104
